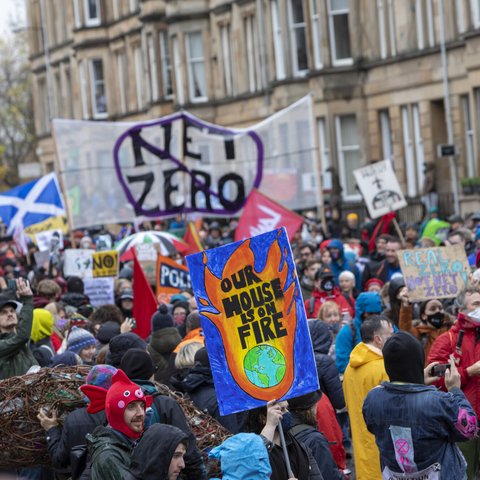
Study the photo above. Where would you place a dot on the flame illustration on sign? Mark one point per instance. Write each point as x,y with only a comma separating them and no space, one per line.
258,331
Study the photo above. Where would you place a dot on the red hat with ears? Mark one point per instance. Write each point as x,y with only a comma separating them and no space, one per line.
114,401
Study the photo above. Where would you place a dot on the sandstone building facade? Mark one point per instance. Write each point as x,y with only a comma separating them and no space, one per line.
373,66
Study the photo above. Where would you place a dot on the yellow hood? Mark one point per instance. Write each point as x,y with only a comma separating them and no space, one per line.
42,326
362,354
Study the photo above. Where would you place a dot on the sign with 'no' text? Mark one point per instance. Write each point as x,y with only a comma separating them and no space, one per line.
438,272
254,322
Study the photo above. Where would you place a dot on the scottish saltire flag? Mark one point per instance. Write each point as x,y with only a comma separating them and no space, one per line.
32,202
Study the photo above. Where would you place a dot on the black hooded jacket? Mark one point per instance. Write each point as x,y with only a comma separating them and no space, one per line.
328,376
152,456
198,385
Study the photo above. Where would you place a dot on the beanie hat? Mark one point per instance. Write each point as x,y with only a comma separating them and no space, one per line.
101,376
119,344
306,401
137,364
373,281
115,400
178,297
404,358
161,318
107,331
65,359
79,339
42,326
201,357
78,320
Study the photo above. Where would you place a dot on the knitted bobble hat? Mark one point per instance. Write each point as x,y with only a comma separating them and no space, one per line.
79,339
161,318
115,400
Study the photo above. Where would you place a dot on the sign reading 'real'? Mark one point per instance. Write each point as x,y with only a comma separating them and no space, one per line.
437,272
380,188
254,322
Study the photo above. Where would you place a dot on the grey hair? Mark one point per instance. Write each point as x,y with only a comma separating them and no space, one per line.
461,297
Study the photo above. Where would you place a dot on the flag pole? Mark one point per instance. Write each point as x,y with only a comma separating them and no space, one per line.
64,190
284,449
318,164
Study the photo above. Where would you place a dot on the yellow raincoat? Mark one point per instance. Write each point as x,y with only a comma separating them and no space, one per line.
364,372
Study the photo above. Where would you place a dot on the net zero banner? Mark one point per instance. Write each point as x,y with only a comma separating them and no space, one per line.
254,322
437,272
182,164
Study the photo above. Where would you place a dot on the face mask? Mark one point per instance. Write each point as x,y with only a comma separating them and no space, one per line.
327,285
61,323
474,316
436,319
333,327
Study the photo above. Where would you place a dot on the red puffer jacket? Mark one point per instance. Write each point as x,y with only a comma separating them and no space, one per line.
468,354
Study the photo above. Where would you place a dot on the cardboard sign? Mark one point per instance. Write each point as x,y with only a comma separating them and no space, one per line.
437,272
171,277
254,322
100,290
42,259
78,263
50,240
380,188
105,264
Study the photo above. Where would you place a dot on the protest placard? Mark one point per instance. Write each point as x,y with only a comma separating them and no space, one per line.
254,322
100,291
105,264
171,277
380,188
49,240
78,263
436,272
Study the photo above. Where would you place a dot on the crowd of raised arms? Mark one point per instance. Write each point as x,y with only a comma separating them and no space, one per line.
399,379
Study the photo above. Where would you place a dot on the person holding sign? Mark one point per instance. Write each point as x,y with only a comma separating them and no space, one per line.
265,421
433,322
461,341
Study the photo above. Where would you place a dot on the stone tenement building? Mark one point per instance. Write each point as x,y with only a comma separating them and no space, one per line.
374,67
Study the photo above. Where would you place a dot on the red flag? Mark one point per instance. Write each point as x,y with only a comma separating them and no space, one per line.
261,214
381,228
144,301
192,239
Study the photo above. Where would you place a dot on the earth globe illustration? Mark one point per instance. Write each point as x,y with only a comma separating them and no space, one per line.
264,366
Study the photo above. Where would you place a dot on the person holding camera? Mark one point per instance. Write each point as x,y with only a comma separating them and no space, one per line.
462,341
416,426
15,328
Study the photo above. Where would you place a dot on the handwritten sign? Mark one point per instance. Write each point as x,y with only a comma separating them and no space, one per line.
49,240
254,322
437,272
380,188
100,291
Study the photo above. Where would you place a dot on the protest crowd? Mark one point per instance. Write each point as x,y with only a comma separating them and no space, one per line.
399,377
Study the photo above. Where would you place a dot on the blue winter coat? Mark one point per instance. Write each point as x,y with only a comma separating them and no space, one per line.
367,302
328,376
428,423
345,262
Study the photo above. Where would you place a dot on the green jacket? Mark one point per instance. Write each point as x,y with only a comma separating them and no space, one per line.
109,454
15,354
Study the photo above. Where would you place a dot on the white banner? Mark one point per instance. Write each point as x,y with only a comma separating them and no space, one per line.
380,188
115,172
